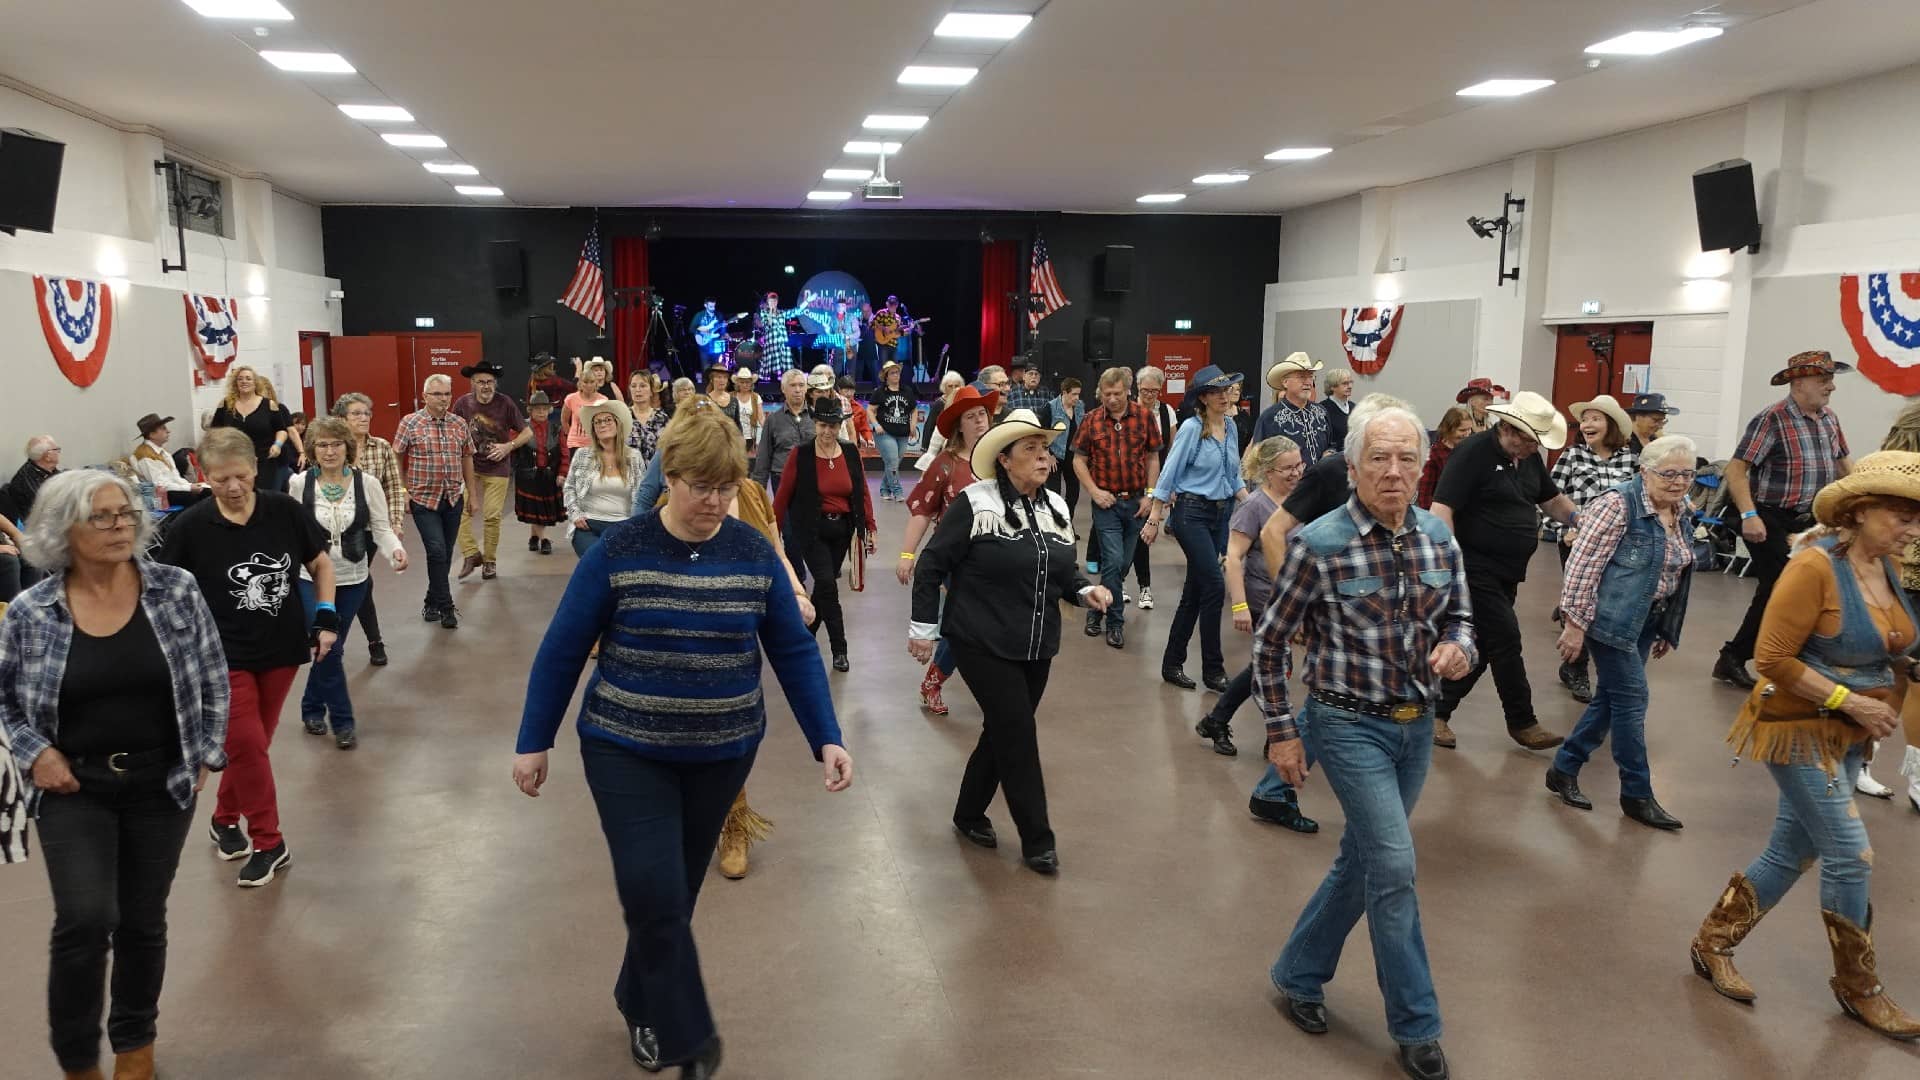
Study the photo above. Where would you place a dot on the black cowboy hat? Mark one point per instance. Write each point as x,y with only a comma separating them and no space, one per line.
484,367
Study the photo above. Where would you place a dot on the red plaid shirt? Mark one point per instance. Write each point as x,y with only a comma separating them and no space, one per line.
1792,455
435,449
1116,450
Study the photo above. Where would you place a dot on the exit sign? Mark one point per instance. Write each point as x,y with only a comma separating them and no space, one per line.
1183,324
1589,307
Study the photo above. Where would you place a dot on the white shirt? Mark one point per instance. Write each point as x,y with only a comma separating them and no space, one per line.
337,518
161,473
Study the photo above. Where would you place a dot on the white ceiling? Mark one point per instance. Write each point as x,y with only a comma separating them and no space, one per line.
744,102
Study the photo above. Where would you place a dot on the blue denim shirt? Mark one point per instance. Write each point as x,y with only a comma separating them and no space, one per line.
651,485
1057,412
38,631
1202,467
1632,576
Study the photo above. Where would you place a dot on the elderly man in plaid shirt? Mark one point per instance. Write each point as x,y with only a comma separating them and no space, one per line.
1791,449
436,446
1378,590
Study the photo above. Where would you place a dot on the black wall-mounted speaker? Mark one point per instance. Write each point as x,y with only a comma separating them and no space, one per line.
1116,268
29,180
509,265
1055,354
1724,203
1098,343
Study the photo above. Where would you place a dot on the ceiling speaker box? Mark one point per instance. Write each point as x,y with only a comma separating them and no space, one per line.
1724,203
1116,268
29,180
509,265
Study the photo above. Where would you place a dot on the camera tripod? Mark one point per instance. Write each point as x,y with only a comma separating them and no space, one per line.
657,344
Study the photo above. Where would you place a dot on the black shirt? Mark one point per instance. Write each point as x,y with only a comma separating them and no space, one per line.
247,574
116,695
895,410
1322,489
261,425
1005,578
1496,504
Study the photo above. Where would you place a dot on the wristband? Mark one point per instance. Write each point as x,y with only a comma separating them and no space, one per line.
1239,607
1835,699
907,555
324,605
1745,514
326,620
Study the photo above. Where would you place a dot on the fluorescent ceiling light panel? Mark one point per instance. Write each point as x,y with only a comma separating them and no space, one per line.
1505,87
923,75
450,168
258,10
1170,197
967,24
379,114
318,63
847,174
478,189
894,122
427,142
862,146
1653,42
827,196
1221,178
1299,153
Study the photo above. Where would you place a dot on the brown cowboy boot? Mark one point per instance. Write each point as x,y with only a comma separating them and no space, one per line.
89,1074
1733,917
742,828
1857,986
134,1065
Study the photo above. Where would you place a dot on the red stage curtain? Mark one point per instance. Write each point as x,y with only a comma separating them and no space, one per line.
999,277
630,320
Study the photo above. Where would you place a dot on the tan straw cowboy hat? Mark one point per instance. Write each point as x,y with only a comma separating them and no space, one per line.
1894,473
1019,424
1604,403
1295,362
1536,416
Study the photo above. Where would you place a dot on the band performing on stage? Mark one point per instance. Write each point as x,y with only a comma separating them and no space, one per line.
844,332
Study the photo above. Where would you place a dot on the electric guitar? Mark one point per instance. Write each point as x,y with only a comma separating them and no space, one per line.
889,328
715,330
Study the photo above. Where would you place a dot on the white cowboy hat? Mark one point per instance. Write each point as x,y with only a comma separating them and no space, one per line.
1295,362
1606,404
613,408
1019,424
743,373
1536,416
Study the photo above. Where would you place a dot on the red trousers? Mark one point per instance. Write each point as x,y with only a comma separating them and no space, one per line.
246,787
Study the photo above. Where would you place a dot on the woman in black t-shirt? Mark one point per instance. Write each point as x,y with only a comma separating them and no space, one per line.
250,408
894,413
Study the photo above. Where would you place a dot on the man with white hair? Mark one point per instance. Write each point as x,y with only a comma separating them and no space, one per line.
43,460
436,452
786,428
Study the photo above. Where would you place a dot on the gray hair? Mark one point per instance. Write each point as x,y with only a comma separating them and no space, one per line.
796,375
1335,376
988,371
348,400
63,504
952,381
38,446
435,380
1375,402
683,385
224,444
1258,461
1363,419
1667,446
1150,374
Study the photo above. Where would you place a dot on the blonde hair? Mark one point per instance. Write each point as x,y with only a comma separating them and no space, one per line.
1114,376
264,387
597,364
1258,461
621,462
1905,432
225,444
233,375
336,428
703,444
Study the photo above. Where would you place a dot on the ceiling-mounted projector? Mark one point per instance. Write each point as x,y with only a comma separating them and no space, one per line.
882,188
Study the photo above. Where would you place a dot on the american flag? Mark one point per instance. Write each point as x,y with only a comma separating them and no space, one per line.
585,293
1047,297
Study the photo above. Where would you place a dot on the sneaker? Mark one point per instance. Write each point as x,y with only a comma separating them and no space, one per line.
377,653
546,547
1146,598
450,617
1574,678
230,842
1125,598
488,572
315,725
345,740
469,564
533,543
430,613
263,865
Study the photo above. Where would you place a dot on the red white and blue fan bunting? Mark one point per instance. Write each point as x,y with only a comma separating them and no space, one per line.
1882,315
214,332
1367,336
77,317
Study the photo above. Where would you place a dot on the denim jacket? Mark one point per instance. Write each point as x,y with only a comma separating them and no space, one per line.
1856,657
1057,410
1632,576
38,631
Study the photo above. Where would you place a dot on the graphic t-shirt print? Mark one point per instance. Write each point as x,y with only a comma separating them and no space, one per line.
264,583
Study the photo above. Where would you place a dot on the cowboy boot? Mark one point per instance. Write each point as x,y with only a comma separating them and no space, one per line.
134,1065
930,699
1866,784
1733,917
1857,986
93,1073
742,828
1911,770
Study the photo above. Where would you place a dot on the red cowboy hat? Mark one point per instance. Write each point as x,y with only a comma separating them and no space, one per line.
969,397
1480,386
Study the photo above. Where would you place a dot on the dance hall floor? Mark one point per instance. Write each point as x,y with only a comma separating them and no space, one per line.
436,923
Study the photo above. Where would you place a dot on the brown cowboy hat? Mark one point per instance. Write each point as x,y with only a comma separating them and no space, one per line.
968,397
1810,363
1479,386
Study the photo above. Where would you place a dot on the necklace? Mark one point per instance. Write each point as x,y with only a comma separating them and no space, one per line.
1869,593
333,492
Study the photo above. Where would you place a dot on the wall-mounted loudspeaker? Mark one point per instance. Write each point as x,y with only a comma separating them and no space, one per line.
29,180
1099,339
1116,268
1055,353
509,267
1723,200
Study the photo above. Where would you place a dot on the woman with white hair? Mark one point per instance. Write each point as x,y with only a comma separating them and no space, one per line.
113,695
936,440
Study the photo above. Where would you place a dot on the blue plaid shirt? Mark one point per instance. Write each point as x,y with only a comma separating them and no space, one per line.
38,631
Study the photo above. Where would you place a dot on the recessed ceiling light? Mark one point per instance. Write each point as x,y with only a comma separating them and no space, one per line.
1299,153
262,10
322,63
429,142
968,24
450,168
862,146
847,174
380,114
894,122
1221,178
922,75
1170,197
1505,87
1653,42
478,189
827,196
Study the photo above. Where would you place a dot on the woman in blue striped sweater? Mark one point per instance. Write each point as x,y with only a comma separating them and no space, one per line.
686,599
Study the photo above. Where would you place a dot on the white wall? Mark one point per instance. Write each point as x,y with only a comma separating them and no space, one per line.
110,225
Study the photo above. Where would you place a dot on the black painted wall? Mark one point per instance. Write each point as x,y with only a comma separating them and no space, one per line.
398,262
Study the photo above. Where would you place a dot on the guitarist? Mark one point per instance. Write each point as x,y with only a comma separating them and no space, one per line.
710,332
893,331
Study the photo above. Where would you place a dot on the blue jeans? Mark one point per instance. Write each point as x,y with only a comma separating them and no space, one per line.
1817,820
1376,769
584,539
326,692
1200,527
438,526
889,462
1619,707
1119,533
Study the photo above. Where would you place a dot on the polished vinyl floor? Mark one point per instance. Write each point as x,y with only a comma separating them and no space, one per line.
436,923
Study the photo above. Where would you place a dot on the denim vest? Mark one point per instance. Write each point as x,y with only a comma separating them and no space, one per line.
1856,657
1632,576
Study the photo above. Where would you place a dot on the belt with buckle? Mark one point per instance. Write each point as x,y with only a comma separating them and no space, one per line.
1400,712
120,764
835,517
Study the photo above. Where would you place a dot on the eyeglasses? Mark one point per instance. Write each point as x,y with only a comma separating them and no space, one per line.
329,444
104,520
705,492
1673,476
1294,469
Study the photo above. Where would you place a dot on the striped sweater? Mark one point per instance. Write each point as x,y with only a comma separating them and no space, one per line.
679,671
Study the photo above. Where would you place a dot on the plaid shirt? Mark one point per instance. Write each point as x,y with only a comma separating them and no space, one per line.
1037,399
38,632
1792,455
1116,450
380,462
1370,609
436,449
1584,476
1601,526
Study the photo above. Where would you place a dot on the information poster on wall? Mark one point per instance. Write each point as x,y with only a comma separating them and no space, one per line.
1178,356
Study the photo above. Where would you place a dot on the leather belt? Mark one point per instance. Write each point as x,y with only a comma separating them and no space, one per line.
123,763
1400,712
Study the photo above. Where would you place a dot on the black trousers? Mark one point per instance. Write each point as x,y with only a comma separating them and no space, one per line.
1769,559
111,852
1496,631
824,554
369,618
1067,484
1007,757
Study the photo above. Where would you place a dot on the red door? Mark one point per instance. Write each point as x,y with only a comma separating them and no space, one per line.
1592,359
377,367
1179,356
313,365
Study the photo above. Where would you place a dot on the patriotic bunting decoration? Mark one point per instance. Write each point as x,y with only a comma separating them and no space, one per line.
77,318
213,332
1367,335
1882,315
